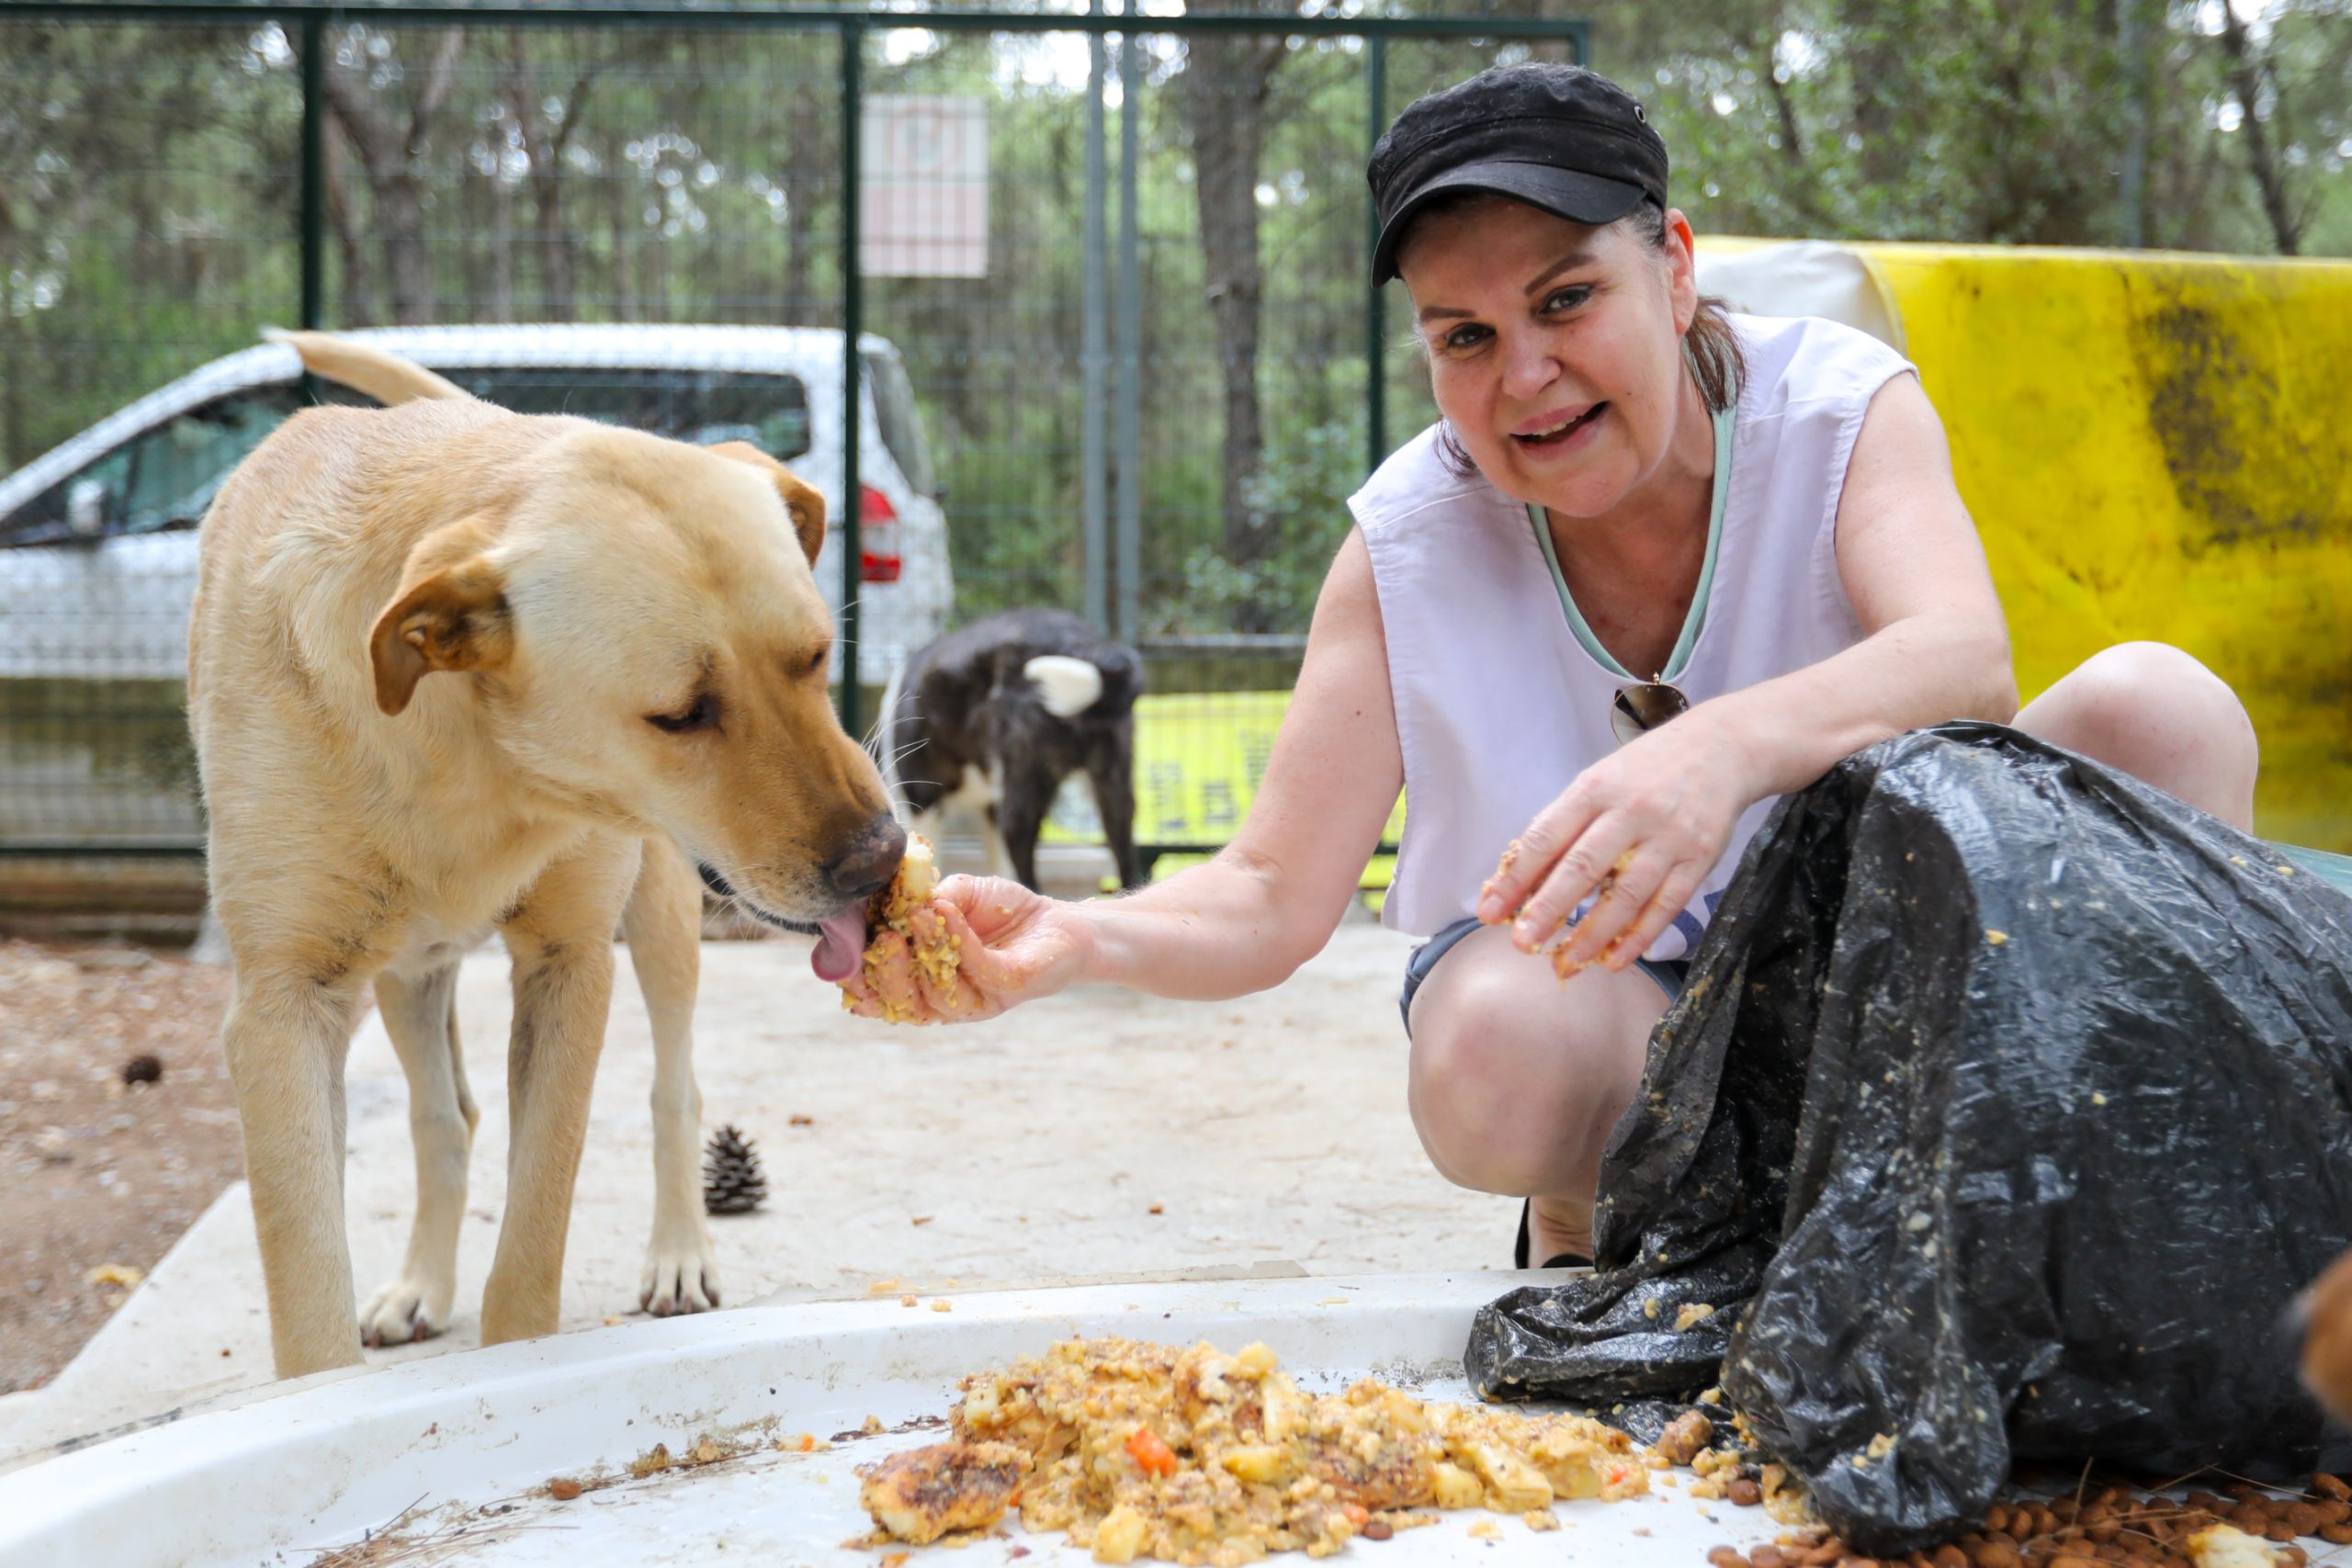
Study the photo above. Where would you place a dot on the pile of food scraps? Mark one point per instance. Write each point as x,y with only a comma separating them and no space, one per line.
1197,1457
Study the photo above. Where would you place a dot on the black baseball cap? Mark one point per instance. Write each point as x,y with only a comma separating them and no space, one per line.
1558,137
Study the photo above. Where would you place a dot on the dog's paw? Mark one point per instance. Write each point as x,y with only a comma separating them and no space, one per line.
403,1312
678,1281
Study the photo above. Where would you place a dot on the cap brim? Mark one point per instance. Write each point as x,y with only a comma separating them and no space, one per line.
1564,193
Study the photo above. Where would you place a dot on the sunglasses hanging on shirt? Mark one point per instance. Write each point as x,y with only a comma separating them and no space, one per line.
1643,706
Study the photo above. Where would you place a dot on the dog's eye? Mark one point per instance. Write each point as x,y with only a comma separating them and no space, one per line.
702,714
817,662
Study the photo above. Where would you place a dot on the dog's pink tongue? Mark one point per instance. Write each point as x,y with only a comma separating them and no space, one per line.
841,943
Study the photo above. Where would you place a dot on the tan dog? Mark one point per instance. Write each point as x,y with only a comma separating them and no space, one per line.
452,668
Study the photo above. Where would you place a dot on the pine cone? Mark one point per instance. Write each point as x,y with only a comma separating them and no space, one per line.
731,1180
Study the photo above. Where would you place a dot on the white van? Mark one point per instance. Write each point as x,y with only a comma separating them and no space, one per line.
98,542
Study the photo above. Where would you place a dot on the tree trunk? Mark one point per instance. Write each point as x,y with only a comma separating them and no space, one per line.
360,307
392,155
620,215
544,147
502,248
1878,46
13,444
806,168
2246,84
1227,81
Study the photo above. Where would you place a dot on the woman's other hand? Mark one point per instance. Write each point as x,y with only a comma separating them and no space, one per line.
1641,827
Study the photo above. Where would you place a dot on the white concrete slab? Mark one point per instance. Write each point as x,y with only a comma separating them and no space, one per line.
450,1461
1271,1133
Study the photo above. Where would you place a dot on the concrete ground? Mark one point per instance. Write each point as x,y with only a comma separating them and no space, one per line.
1099,1133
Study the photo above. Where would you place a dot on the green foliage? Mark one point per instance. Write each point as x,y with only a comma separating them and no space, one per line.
148,213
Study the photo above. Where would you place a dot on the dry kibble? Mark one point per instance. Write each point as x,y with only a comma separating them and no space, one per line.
2280,1530
2071,1561
1950,1556
2331,1487
2337,1535
1850,1562
1726,1557
1743,1493
1766,1557
1379,1529
1993,1554
2332,1512
563,1489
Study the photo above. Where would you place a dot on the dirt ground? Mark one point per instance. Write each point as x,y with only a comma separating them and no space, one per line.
94,1171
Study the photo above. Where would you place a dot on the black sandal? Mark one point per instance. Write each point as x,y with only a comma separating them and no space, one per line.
1519,1248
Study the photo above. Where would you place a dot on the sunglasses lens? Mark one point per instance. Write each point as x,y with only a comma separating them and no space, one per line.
1644,707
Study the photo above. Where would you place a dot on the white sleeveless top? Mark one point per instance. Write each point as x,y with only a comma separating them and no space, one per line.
1499,704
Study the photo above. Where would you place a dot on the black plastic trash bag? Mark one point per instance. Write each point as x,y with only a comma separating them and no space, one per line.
2008,1106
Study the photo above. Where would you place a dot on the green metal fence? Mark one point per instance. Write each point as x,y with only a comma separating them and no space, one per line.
1102,283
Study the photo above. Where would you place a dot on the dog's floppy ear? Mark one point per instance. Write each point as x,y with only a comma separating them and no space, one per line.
807,506
451,614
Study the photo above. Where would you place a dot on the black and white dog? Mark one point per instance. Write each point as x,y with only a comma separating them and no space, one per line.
996,715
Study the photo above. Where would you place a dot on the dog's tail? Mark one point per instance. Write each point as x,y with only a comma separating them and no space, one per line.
387,378
1066,686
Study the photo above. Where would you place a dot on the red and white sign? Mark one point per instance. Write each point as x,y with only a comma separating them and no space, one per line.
923,205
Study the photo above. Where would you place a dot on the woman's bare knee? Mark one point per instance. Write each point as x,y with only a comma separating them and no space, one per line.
1515,1080
2159,715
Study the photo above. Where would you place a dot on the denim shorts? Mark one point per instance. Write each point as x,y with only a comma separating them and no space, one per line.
1668,973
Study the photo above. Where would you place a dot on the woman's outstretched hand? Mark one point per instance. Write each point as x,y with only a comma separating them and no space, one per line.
1011,945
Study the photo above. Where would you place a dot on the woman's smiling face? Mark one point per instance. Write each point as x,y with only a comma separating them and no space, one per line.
1555,348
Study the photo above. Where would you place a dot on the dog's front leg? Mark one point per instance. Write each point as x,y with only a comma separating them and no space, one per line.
663,924
1110,770
286,1040
561,941
1024,796
420,1015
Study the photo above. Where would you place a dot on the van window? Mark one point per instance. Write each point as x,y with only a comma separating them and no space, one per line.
164,477
894,409
159,480
704,407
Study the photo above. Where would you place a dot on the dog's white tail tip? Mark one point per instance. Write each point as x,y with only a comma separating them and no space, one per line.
1066,686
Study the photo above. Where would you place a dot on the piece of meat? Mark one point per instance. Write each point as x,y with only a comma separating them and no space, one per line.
924,1494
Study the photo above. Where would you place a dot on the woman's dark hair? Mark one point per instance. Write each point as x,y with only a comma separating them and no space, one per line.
1710,342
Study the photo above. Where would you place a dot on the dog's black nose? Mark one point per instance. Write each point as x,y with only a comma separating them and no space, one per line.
866,867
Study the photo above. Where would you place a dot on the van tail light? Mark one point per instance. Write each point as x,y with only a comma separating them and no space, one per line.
877,530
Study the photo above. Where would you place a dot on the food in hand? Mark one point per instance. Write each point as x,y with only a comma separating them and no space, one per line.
936,957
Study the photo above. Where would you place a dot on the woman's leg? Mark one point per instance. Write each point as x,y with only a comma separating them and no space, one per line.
2161,716
1517,1078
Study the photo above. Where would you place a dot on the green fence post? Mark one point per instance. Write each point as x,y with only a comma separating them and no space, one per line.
1375,359
853,33
314,165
